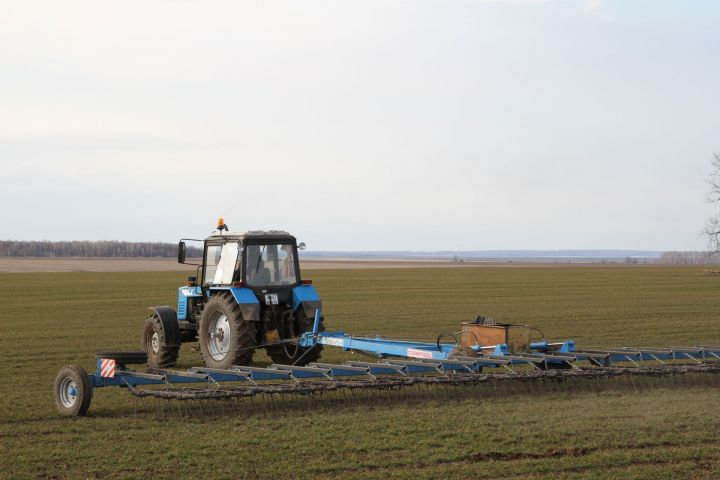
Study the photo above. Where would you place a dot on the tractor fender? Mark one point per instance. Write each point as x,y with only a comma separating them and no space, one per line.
169,324
306,297
248,303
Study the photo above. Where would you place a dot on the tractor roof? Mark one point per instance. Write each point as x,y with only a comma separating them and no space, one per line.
252,234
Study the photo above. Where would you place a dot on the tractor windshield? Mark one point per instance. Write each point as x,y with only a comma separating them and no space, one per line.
270,264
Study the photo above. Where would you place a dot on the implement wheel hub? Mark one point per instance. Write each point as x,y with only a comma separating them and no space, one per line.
68,392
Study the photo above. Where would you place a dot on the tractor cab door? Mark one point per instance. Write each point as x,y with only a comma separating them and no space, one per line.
222,263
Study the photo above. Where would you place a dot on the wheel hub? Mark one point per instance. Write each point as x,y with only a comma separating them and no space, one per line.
155,342
218,337
68,392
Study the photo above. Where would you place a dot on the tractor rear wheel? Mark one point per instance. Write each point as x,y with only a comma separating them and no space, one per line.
160,341
225,337
289,354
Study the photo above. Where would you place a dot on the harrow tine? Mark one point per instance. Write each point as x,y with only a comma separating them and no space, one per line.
455,365
655,357
259,373
615,351
592,354
630,359
171,375
520,358
303,372
483,361
692,358
695,350
712,350
669,353
378,368
341,370
412,366
220,375
561,356
574,366
449,365
508,367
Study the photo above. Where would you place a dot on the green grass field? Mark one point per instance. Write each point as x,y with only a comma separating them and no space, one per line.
636,430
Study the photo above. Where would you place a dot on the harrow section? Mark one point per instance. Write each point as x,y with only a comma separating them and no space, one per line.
386,383
400,364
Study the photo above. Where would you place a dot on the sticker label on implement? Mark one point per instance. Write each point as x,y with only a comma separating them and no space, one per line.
107,368
336,342
416,353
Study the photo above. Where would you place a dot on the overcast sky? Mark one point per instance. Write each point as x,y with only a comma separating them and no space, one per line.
414,125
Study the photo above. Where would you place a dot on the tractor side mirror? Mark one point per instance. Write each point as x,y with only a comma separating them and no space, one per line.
181,252
302,246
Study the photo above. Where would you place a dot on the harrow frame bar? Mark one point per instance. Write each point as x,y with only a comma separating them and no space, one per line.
400,363
404,358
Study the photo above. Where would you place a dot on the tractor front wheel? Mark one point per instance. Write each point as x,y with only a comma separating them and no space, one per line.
225,337
160,342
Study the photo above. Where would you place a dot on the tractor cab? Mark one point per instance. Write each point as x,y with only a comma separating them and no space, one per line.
256,260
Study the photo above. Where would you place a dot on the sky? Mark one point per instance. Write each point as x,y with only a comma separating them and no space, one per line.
366,125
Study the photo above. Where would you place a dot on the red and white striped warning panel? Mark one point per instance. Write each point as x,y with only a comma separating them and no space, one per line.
107,368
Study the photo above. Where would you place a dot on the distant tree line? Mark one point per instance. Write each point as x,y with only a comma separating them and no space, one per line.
101,248
690,258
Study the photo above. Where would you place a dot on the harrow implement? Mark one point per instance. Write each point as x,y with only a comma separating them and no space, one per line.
400,363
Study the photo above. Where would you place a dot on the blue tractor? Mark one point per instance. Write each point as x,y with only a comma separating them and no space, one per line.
247,294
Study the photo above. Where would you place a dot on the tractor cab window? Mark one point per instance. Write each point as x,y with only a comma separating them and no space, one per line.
212,257
221,263
271,264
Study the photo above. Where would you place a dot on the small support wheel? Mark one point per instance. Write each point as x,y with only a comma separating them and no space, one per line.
72,391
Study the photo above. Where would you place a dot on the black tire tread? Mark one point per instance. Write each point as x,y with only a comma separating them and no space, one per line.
242,330
169,345
82,380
